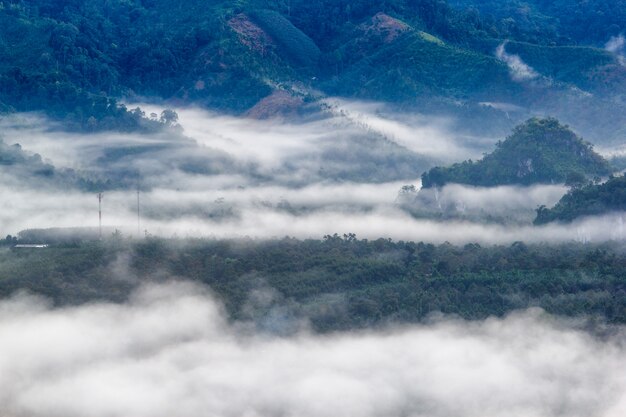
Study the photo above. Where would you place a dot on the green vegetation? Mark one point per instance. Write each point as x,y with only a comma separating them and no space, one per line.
587,200
297,46
552,22
338,282
577,65
76,59
73,60
416,67
538,151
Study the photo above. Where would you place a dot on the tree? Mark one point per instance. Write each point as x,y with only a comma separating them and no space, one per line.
10,240
169,117
575,180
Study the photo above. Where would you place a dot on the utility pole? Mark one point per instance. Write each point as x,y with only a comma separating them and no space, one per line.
138,216
100,216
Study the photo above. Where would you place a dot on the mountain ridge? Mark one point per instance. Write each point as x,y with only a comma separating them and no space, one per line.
419,54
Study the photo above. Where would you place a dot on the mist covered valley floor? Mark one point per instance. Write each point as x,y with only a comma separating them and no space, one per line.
204,307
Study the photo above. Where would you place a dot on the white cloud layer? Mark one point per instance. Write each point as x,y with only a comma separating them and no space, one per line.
262,179
169,352
514,204
616,45
426,136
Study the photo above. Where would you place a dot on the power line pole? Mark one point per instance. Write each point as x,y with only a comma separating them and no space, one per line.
100,216
138,216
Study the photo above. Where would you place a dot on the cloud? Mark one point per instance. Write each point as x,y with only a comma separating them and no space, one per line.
520,71
503,203
169,351
615,45
369,210
295,153
230,177
430,136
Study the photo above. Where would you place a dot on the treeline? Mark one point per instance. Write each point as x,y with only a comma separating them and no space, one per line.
587,199
338,282
563,22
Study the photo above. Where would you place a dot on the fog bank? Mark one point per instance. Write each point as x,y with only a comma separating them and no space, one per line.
230,177
170,352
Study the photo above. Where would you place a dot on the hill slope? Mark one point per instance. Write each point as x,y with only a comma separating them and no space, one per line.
592,199
73,59
538,151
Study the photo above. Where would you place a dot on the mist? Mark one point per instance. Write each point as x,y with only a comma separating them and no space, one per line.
359,210
226,177
169,351
615,45
502,204
520,71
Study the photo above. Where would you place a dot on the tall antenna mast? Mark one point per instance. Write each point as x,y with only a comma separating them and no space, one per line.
100,216
138,216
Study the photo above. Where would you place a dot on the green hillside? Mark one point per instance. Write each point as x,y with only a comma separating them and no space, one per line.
75,60
414,67
552,22
294,44
538,151
588,200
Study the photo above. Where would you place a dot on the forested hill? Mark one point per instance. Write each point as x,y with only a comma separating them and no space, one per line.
24,167
75,58
587,200
538,151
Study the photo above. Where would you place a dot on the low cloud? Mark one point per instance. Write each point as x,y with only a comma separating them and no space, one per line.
368,210
616,45
230,177
505,204
280,152
430,136
519,70
169,351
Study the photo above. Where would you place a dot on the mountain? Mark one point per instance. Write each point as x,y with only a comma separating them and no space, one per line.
76,59
21,167
538,151
587,200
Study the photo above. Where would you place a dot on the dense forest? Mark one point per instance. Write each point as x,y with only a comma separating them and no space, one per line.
587,199
339,282
559,22
77,59
538,151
